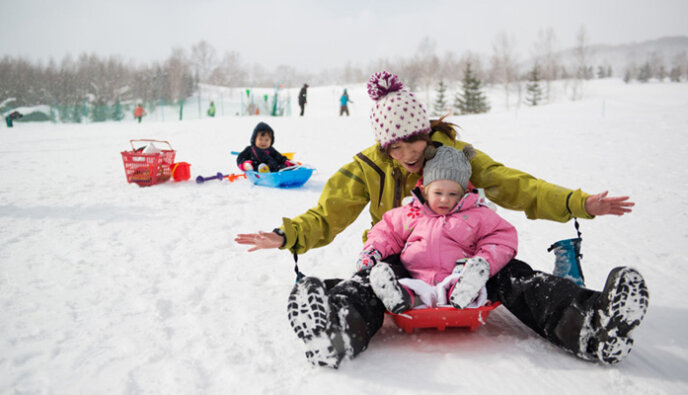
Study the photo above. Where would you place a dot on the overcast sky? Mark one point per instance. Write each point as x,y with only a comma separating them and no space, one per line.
314,34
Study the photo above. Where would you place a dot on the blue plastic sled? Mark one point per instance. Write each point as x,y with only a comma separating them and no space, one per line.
290,177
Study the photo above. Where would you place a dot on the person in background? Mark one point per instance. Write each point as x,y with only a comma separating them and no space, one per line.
139,112
344,101
302,98
211,109
260,155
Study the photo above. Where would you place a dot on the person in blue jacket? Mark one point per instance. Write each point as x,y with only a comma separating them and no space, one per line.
344,100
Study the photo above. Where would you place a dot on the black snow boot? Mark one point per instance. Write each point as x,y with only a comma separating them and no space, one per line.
619,309
600,328
329,321
310,317
387,288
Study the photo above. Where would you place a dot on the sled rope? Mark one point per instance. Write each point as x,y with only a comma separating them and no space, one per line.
299,275
580,256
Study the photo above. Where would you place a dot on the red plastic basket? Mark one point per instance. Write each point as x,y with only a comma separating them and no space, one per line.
148,169
443,317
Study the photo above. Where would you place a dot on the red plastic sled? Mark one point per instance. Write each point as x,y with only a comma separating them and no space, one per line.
443,317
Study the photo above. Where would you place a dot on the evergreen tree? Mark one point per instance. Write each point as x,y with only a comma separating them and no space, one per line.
99,111
533,90
601,72
471,100
661,73
77,112
675,74
440,105
627,76
644,74
116,110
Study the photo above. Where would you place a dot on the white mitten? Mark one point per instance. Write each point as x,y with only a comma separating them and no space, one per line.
246,165
423,290
472,279
443,287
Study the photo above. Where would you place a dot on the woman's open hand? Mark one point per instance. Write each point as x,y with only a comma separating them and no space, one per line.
600,204
261,240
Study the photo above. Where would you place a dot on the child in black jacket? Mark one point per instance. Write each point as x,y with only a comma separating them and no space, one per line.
260,155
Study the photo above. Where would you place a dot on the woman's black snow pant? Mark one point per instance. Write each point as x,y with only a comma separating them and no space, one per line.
552,306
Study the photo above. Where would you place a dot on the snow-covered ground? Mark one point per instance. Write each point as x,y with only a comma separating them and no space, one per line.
106,287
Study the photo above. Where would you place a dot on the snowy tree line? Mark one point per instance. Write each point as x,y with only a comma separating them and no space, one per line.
89,79
100,81
656,68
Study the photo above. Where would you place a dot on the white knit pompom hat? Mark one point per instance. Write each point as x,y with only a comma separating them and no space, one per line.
397,114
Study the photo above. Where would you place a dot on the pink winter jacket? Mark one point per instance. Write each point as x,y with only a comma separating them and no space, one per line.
430,244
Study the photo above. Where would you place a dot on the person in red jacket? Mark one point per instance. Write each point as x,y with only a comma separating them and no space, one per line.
139,112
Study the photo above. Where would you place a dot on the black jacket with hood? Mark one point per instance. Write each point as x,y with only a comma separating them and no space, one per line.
269,156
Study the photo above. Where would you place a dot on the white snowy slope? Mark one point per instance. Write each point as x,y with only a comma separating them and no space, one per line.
106,287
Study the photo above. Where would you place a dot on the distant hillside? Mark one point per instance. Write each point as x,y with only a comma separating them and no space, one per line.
620,57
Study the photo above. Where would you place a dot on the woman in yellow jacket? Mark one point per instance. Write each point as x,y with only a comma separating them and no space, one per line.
337,319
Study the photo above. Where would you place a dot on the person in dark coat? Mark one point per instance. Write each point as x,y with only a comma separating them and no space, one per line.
11,117
260,155
302,98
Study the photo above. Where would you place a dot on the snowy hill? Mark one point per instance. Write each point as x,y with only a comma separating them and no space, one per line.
106,287
621,57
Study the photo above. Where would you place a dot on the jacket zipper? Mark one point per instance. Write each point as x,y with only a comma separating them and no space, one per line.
399,182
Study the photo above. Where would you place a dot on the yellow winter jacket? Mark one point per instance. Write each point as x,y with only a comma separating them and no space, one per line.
375,178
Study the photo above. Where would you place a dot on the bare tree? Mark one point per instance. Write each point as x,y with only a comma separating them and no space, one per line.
679,67
428,64
449,69
504,68
352,74
229,72
178,72
657,66
544,56
203,58
582,55
409,70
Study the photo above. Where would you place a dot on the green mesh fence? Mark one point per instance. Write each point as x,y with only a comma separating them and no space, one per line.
260,103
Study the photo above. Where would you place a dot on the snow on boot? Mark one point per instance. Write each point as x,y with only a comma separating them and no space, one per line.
386,286
473,277
618,310
309,315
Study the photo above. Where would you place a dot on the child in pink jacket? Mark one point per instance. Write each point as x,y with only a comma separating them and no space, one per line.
445,236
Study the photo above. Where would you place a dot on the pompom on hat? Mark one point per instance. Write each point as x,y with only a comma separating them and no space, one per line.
396,114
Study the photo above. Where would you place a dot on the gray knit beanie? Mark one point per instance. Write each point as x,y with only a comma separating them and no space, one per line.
449,164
